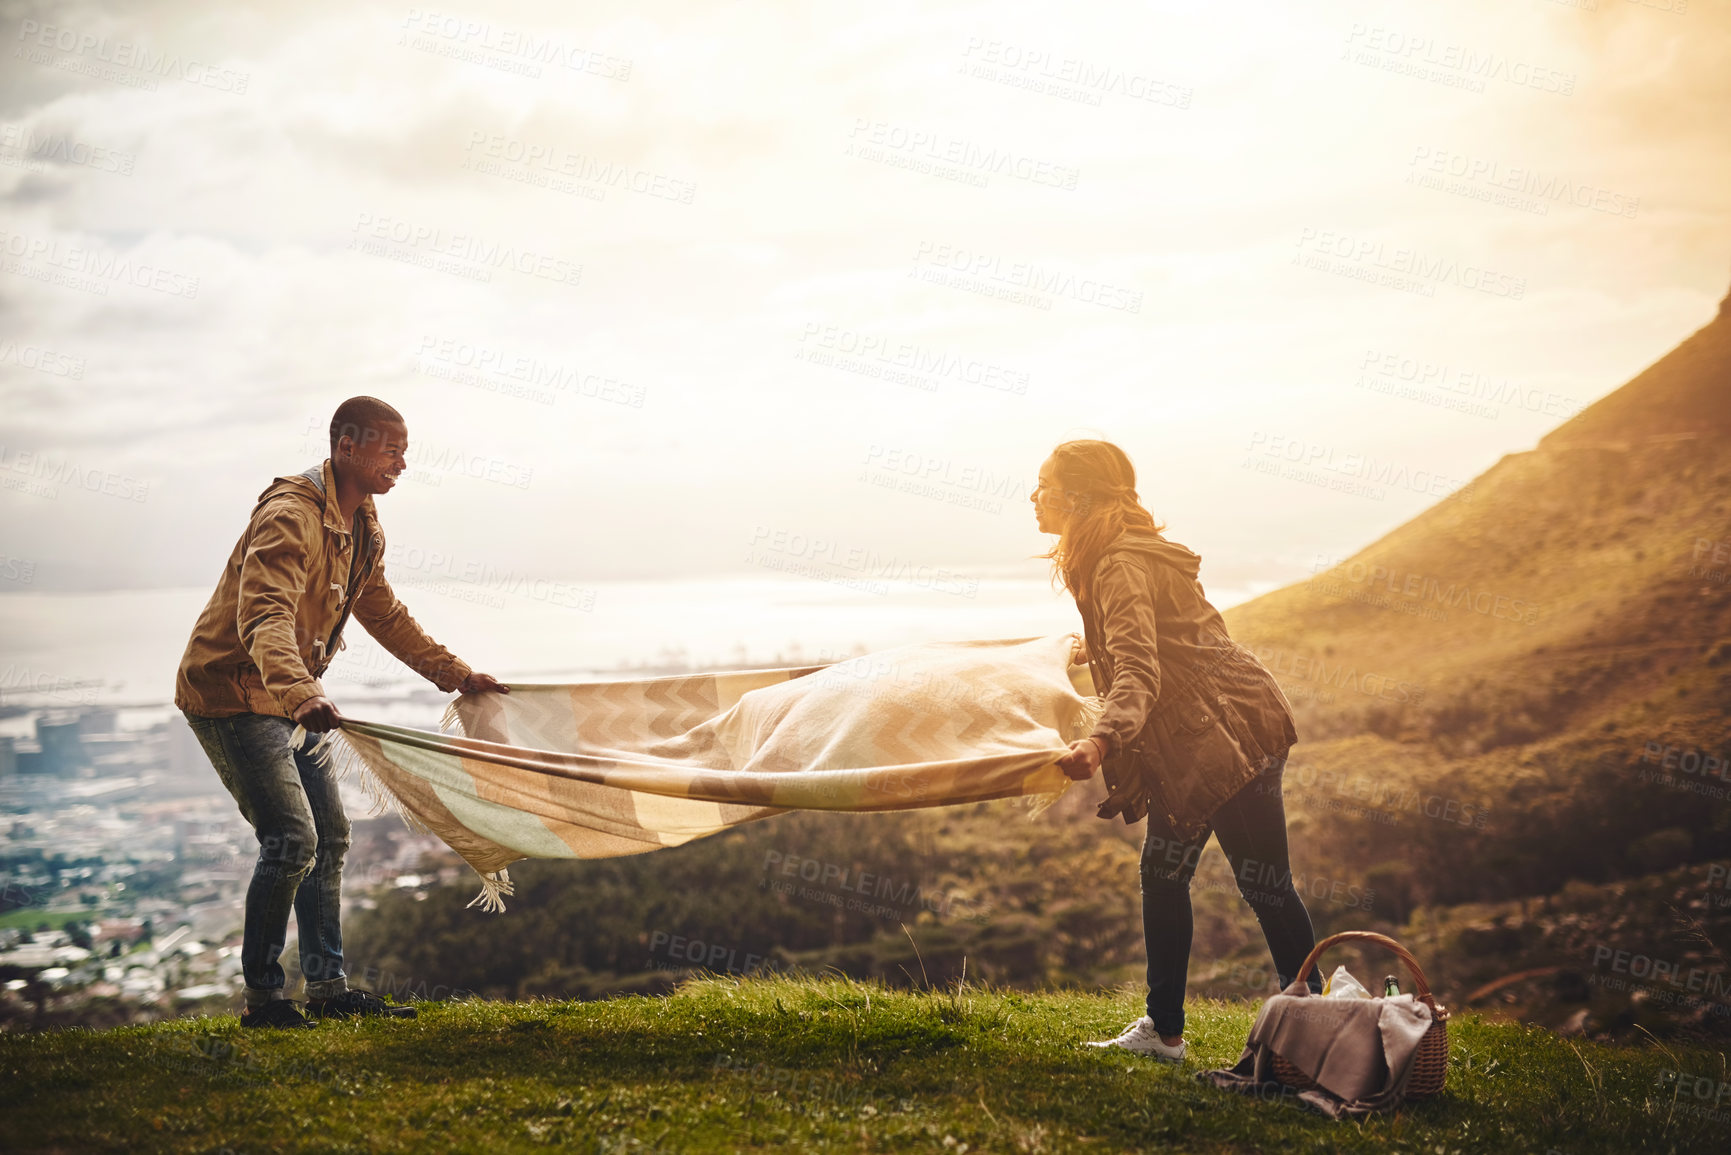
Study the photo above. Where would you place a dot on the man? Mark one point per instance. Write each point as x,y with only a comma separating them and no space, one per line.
312,554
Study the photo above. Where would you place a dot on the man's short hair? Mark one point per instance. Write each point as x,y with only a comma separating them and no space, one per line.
360,418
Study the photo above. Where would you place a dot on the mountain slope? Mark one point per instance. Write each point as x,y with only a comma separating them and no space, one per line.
1686,393
1573,580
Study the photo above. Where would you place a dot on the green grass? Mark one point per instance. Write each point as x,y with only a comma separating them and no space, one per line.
30,917
798,1065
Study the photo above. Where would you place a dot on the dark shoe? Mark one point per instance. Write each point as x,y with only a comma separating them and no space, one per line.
355,1003
280,1013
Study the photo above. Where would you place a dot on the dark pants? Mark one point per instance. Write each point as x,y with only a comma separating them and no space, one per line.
1251,827
290,798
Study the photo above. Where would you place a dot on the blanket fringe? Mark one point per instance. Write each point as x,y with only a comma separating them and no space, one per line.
449,722
494,887
1038,804
1089,716
346,759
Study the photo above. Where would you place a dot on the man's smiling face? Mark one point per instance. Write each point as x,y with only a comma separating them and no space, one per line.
378,457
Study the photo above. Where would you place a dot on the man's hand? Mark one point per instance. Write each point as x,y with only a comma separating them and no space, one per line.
317,715
1083,759
481,683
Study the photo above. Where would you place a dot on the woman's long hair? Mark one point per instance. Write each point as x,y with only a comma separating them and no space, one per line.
1099,479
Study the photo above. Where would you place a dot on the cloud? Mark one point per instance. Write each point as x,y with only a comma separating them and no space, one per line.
343,240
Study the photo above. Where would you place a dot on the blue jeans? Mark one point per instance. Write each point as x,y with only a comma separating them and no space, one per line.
290,799
1251,827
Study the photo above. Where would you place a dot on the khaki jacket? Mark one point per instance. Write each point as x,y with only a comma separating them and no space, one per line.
1190,715
276,619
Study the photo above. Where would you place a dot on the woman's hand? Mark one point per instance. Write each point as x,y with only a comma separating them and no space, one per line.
1083,759
1079,652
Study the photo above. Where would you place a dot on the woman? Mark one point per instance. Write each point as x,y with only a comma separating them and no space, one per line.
1194,733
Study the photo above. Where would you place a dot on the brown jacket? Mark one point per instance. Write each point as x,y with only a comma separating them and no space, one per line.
276,619
1191,716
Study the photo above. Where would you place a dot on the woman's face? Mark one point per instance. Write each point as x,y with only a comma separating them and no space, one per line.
1052,507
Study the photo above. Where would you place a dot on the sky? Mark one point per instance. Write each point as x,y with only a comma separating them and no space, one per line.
671,291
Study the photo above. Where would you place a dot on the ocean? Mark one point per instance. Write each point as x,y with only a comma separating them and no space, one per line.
121,648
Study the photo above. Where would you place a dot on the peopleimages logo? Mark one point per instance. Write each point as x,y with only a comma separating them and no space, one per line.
1309,668
1426,588
718,957
817,556
1670,972
882,140
1275,448
864,888
930,467
1457,65
42,360
555,160
40,467
1404,261
474,578
1519,179
79,260
923,364
1470,385
1020,281
125,54
451,460
1070,77
34,148
1703,1088
478,364
482,42
422,244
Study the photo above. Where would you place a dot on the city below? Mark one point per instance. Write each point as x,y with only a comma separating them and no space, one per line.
124,864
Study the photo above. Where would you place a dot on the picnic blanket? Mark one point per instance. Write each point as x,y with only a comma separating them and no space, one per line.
600,769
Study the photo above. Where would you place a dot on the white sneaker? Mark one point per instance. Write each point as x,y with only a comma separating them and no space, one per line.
1141,1037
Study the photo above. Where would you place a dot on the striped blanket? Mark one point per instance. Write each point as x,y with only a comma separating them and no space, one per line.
598,769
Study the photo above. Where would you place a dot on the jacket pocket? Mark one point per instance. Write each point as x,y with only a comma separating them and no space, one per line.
1200,761
1193,711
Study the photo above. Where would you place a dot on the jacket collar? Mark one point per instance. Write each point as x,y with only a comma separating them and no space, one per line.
324,478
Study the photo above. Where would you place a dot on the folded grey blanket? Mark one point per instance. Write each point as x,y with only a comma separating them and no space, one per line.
1359,1052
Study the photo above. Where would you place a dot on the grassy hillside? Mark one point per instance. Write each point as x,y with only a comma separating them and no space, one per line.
1684,393
809,1065
1550,650
1581,585
1577,582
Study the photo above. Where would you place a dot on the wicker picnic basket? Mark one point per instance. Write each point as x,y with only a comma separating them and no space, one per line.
1429,1065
